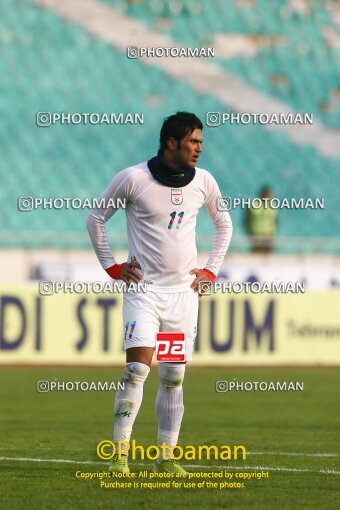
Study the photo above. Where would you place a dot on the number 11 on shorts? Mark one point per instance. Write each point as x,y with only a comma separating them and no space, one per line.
170,347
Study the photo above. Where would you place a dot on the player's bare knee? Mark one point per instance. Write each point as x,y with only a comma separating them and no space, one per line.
135,373
171,376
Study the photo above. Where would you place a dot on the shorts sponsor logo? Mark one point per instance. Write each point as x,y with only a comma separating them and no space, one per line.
170,347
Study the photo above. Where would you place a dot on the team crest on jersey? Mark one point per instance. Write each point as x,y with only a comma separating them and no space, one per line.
176,196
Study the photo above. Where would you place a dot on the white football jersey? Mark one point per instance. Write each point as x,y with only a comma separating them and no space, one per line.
161,224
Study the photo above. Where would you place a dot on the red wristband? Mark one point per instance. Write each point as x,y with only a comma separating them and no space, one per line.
114,271
210,275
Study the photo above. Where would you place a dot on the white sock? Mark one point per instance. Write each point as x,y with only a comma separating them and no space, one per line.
169,405
128,400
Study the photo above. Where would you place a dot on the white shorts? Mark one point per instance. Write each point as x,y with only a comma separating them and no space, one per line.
145,314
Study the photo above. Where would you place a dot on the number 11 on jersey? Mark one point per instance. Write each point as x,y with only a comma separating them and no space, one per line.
172,219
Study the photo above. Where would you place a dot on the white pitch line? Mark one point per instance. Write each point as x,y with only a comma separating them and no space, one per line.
268,468
61,461
292,454
288,454
49,448
205,466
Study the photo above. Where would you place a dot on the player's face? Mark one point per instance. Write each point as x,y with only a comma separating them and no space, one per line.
189,150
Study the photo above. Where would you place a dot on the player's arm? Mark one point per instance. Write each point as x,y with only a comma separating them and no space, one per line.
119,188
222,235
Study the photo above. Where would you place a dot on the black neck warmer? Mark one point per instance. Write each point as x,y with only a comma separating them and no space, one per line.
168,174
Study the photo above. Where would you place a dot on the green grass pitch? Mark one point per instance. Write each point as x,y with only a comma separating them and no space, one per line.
292,435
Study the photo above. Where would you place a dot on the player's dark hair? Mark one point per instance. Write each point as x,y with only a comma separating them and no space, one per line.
178,126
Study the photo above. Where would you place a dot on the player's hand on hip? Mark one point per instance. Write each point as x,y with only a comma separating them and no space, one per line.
126,272
202,276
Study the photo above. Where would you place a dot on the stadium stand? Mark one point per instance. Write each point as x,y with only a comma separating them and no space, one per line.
52,65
